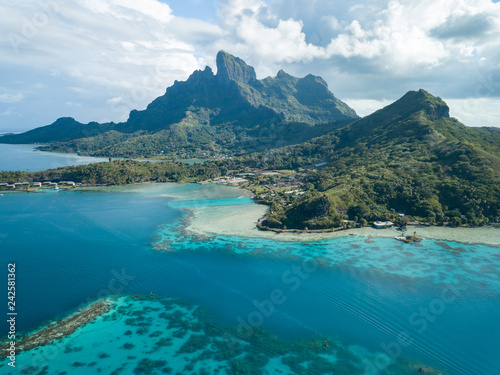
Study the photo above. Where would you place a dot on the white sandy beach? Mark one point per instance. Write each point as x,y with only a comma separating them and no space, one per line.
242,220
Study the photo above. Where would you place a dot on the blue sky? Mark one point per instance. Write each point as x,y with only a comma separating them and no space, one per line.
95,60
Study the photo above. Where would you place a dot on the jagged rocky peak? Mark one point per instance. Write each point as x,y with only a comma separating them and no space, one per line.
316,79
199,76
434,107
233,68
438,107
414,102
314,83
283,75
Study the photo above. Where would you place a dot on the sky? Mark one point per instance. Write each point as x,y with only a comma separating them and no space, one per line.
96,60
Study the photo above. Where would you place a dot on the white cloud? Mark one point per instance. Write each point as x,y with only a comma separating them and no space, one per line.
88,51
116,100
79,90
101,41
476,111
395,37
8,112
470,111
365,107
7,96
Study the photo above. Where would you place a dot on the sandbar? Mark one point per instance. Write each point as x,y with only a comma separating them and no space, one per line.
241,221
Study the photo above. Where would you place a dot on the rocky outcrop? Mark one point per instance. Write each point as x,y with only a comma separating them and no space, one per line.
231,68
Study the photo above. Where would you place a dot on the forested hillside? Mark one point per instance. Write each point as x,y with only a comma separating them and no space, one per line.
409,157
228,113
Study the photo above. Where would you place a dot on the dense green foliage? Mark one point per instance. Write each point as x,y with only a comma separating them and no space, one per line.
408,158
402,159
196,141
230,113
120,172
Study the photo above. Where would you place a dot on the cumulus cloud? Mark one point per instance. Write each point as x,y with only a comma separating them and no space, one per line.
397,36
105,47
111,43
88,51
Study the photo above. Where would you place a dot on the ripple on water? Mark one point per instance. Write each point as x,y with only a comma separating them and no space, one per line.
166,335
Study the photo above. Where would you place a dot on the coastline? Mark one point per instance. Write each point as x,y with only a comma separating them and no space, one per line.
58,329
241,221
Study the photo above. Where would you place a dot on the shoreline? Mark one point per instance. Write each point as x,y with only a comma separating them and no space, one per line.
57,330
241,221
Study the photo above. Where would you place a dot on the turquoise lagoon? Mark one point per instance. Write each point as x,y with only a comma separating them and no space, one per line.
27,158
225,304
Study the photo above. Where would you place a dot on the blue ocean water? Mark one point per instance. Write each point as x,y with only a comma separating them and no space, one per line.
435,304
26,158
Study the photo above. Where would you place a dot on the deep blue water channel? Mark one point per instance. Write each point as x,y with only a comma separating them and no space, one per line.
73,247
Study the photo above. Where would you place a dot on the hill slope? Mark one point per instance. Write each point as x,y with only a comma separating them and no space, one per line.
408,157
231,112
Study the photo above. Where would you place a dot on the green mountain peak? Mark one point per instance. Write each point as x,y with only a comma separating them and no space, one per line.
231,68
230,112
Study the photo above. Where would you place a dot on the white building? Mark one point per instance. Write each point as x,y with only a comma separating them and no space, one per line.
383,224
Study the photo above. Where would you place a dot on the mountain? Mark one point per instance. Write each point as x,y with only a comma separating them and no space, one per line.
230,112
409,157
